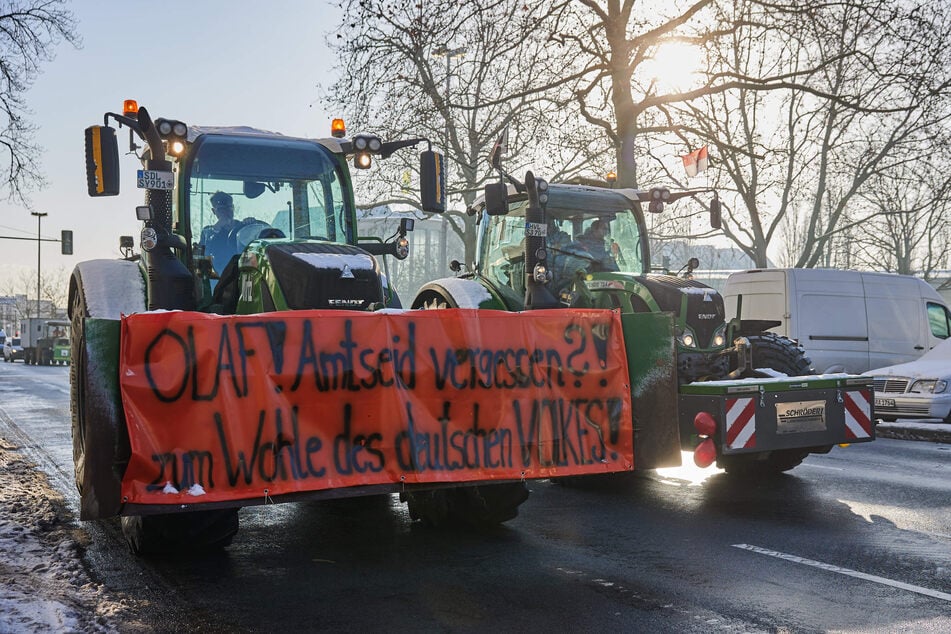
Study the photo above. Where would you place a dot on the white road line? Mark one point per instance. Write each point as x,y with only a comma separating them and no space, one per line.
845,571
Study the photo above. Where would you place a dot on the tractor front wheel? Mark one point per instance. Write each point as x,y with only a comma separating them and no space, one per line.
195,531
777,353
480,507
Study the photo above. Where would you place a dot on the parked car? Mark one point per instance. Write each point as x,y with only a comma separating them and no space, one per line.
12,350
917,389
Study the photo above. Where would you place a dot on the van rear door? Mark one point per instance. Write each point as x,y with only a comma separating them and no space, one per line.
764,297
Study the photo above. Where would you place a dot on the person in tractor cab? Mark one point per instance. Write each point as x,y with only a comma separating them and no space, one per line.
594,241
218,239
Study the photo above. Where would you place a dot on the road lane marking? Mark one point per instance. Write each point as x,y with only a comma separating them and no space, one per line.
944,596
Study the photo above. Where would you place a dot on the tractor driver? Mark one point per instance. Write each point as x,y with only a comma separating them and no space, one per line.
593,240
217,239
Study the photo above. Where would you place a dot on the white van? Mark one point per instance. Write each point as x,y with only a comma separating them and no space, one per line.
847,321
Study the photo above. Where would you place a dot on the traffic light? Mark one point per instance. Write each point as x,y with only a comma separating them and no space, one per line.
66,242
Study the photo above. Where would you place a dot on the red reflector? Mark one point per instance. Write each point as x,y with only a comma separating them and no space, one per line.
705,454
705,424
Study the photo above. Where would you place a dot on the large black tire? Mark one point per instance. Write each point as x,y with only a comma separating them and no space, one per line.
482,506
772,464
77,379
432,300
152,534
780,354
196,531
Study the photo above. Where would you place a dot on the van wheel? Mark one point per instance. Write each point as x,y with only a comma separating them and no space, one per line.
774,352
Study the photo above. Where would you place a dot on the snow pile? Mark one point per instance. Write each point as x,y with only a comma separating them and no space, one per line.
44,586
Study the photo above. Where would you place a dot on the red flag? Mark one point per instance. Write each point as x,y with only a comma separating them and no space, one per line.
696,161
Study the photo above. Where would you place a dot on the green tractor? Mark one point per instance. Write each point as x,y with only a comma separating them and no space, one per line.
288,241
546,245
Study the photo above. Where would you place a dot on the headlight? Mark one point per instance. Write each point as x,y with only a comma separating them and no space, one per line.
719,336
402,248
928,386
148,239
540,274
688,340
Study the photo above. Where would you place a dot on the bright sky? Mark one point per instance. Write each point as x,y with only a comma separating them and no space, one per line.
207,62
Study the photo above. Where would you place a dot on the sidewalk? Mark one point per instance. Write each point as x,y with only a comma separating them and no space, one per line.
914,430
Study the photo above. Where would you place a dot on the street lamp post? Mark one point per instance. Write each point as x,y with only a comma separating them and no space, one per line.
449,53
39,219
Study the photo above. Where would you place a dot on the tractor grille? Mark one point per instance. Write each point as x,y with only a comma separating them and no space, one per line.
895,386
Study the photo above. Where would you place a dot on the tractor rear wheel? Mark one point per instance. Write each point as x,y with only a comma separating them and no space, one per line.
783,355
480,507
755,465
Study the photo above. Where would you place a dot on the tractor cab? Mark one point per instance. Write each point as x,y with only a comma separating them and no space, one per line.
241,188
588,231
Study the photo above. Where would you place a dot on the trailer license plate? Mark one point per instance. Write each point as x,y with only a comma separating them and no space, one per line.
800,416
885,402
153,179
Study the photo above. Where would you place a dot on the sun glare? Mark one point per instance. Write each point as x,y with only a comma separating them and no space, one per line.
675,67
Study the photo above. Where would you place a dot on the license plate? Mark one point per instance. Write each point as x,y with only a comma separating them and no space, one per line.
800,416
885,402
153,179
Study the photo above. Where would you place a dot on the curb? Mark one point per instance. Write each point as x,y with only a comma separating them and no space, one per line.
905,431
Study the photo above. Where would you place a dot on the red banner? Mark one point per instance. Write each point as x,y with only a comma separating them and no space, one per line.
226,408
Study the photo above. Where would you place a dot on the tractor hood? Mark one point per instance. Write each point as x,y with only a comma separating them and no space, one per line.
316,275
704,311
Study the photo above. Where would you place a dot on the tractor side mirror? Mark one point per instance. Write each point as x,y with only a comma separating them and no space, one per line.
715,220
496,203
432,182
102,161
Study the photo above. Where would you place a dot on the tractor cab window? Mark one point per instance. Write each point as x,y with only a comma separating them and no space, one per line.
244,189
592,239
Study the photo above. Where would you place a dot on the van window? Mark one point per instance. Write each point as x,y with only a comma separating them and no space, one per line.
940,320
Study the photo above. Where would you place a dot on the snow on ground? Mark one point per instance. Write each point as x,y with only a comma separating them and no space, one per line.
44,586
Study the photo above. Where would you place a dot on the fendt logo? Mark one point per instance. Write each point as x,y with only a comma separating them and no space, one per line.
706,315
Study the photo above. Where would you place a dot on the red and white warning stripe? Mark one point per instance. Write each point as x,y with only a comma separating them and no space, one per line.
858,414
740,423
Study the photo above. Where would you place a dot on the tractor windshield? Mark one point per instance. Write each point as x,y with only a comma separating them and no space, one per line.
598,231
243,187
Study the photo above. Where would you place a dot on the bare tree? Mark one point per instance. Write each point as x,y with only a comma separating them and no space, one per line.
870,79
29,33
458,73
804,103
909,228
54,286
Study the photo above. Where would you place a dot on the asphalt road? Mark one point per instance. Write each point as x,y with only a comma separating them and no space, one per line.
858,540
